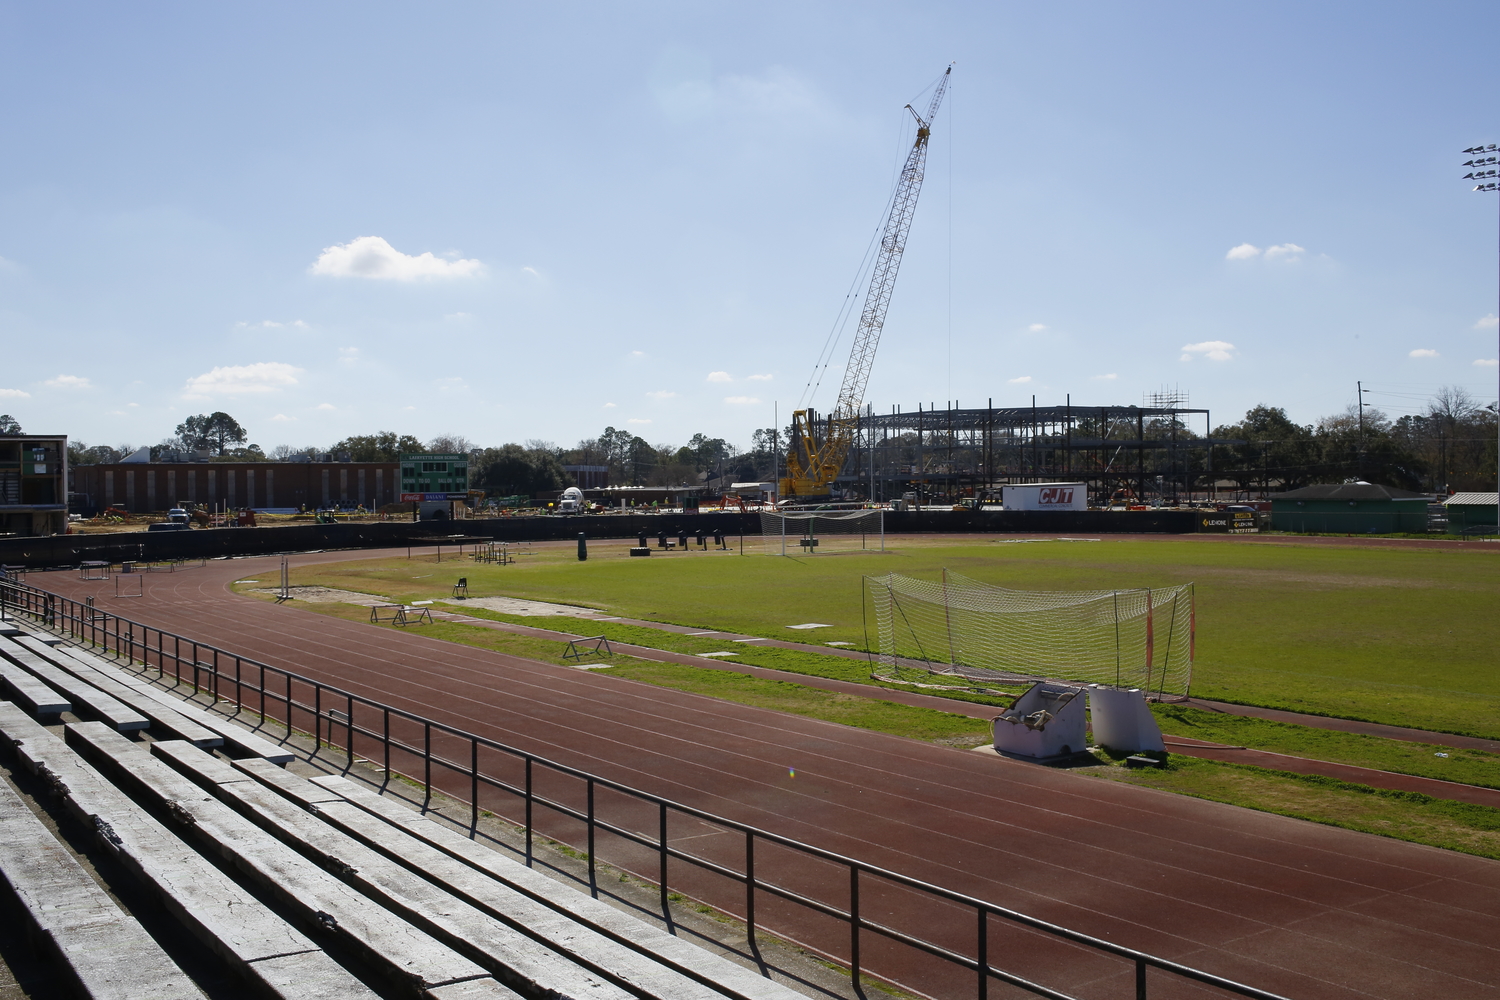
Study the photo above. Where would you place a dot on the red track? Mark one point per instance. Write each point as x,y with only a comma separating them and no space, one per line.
1289,906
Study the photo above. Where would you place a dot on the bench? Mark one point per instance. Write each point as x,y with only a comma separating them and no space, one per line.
165,718
589,933
32,694
240,740
230,922
510,955
106,952
321,903
597,915
85,698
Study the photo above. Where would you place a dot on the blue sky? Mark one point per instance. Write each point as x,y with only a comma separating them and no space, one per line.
528,221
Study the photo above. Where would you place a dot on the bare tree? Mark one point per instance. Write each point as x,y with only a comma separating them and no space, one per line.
450,444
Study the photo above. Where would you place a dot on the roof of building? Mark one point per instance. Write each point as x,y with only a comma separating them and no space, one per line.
1350,491
1472,499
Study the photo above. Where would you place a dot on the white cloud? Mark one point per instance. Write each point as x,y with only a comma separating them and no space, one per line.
271,324
637,420
661,394
719,377
759,378
1213,350
1242,252
1481,362
328,406
373,257
1487,322
456,316
1287,250
348,355
69,382
282,418
609,406
14,394
1105,378
1037,328
1019,380
531,271
1423,352
637,354
741,400
238,380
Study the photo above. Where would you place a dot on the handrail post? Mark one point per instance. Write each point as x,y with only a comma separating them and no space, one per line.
854,926
750,888
666,906
426,764
593,879
348,732
386,739
982,954
528,810
474,788
1140,979
318,720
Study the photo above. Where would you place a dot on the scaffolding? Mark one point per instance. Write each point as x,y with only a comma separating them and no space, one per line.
1125,453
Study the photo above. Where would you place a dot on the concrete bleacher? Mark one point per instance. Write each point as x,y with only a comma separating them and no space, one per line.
299,887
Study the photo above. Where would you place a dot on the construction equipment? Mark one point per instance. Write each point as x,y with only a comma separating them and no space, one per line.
811,466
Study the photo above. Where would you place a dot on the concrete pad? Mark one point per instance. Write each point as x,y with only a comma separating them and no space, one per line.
511,957
729,978
229,921
163,717
30,693
321,903
235,737
108,953
83,696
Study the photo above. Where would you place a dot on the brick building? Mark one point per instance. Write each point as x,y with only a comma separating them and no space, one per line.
33,484
146,487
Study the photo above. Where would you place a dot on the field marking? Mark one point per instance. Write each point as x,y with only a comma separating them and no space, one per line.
753,640
810,625
722,653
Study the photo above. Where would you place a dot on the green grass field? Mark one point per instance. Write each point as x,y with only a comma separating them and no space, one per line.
1395,635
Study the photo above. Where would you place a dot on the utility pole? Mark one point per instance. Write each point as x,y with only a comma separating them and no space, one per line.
1360,386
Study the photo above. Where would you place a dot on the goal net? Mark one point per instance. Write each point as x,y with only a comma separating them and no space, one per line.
957,626
810,532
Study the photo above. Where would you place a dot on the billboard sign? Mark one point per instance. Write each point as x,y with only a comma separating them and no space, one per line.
1046,496
430,497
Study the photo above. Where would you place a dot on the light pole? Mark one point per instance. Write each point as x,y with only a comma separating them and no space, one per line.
1484,174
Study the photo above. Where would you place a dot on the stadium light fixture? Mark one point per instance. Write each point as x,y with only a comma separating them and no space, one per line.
1484,161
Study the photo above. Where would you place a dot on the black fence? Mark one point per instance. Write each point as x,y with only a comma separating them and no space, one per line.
212,543
870,920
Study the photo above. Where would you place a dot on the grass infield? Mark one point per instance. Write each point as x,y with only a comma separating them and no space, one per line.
1399,635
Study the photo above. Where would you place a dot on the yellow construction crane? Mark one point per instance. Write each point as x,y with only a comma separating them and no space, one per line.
811,466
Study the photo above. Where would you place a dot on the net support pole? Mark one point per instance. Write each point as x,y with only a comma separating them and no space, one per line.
783,533
1150,637
882,530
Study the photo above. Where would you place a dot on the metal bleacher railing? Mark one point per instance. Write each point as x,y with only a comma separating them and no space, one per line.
946,935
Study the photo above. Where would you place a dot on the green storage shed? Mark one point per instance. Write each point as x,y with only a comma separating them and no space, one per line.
1350,508
1470,510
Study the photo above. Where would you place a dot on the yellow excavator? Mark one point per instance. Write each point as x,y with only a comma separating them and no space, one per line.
812,464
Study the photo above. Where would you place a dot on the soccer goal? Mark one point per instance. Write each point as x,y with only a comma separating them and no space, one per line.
1140,638
812,532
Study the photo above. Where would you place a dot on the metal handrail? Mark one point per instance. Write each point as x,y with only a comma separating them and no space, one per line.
114,633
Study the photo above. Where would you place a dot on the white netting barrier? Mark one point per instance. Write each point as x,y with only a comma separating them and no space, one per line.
958,626
809,532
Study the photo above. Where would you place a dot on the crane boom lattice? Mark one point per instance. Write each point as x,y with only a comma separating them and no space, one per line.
811,467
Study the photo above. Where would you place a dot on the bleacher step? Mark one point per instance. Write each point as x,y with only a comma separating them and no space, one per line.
163,718
732,979
107,952
31,693
558,929
513,958
277,958
85,696
405,954
240,740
